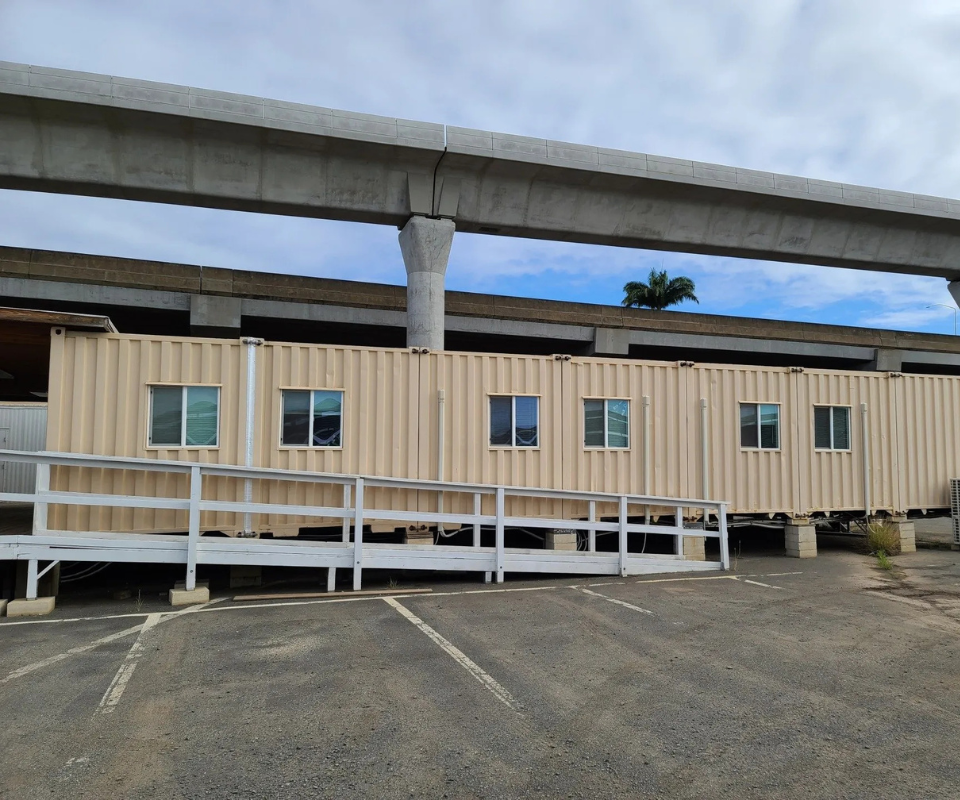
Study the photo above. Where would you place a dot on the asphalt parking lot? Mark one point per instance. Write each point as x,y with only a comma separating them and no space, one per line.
816,678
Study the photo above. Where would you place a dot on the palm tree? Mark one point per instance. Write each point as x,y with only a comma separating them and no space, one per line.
659,292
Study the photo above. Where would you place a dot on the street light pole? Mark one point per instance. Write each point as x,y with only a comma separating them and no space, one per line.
953,309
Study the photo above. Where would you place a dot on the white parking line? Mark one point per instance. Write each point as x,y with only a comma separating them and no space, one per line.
764,585
458,655
115,690
678,580
613,600
17,673
73,651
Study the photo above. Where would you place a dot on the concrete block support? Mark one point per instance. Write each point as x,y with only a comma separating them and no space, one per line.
906,532
211,315
37,607
800,541
181,596
425,244
695,548
242,576
418,536
561,539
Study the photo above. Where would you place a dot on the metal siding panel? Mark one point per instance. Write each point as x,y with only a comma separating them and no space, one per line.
28,431
928,439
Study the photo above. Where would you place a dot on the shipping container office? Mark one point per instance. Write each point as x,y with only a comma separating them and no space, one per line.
680,428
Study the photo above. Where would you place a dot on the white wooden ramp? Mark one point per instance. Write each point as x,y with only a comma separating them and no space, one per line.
352,552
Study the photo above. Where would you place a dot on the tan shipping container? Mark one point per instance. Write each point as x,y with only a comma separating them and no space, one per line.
99,403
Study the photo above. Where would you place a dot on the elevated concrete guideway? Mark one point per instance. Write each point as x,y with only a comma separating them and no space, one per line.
81,133
86,134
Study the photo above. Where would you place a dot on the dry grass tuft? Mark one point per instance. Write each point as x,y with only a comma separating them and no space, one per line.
882,537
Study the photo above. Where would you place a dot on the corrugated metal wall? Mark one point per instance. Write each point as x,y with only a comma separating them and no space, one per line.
833,480
99,399
23,426
928,434
102,388
762,481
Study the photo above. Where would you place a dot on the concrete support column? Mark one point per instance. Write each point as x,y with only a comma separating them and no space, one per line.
800,540
695,548
425,244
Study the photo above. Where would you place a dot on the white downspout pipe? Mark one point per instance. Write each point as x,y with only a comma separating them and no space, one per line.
645,425
704,475
866,460
252,345
441,404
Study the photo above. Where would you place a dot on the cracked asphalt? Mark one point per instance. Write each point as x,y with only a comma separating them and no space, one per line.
821,678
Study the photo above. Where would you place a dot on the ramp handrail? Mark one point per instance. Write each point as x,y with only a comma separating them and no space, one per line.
353,511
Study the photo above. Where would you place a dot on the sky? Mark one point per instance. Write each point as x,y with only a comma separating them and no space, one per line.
856,91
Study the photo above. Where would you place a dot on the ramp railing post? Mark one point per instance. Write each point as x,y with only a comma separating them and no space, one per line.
477,511
358,534
724,544
592,532
193,530
623,535
477,508
346,518
32,579
679,524
499,531
40,506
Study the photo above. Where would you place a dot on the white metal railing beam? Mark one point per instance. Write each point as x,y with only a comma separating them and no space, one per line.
44,544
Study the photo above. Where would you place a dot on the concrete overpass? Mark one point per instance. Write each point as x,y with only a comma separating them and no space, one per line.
80,133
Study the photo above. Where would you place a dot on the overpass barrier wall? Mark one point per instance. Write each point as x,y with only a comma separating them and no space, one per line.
427,416
354,512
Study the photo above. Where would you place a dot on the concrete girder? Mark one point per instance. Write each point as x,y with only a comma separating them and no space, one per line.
80,133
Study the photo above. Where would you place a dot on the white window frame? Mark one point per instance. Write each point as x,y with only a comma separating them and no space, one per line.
759,448
183,416
832,448
606,424
513,424
309,445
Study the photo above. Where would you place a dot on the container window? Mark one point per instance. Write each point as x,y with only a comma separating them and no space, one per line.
831,427
202,413
312,418
184,416
514,421
760,426
606,423
296,419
